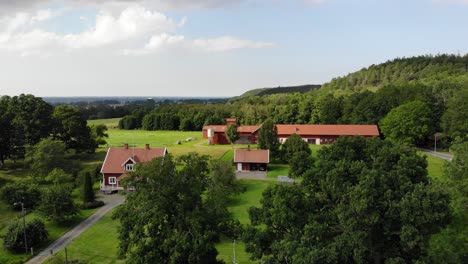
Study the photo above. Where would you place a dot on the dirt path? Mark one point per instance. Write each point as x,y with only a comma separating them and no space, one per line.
111,202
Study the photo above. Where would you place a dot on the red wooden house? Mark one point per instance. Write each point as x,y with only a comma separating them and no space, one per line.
120,161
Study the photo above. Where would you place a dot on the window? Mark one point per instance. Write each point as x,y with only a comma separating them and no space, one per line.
112,180
130,167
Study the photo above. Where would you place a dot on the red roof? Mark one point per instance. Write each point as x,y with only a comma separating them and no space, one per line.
117,157
333,130
240,129
252,156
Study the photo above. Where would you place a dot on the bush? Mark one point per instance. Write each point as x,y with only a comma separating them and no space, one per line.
36,234
92,205
57,204
29,194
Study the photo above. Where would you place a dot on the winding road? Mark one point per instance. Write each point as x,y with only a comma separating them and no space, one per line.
111,202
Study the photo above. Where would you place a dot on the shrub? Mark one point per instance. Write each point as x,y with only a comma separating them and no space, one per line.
29,194
92,205
36,234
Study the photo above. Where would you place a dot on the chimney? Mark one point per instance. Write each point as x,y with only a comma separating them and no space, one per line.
126,145
147,146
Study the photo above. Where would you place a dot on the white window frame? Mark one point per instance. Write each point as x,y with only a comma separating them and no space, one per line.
130,167
112,180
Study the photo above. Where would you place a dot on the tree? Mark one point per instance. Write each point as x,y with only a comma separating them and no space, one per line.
36,234
268,138
166,220
232,134
87,188
6,133
367,200
300,163
99,134
292,145
408,123
45,156
28,194
59,176
449,246
455,118
57,204
71,128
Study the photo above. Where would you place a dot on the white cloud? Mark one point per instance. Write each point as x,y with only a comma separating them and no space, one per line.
134,30
220,44
227,43
132,24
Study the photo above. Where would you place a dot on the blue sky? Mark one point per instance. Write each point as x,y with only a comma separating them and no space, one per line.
211,47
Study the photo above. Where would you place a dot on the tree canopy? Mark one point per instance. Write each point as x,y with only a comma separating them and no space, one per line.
409,123
166,219
367,200
268,138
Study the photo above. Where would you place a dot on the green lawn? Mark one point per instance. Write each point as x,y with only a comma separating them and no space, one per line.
435,167
98,244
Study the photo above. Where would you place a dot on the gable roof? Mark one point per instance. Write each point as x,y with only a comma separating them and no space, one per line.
117,157
333,130
252,155
240,129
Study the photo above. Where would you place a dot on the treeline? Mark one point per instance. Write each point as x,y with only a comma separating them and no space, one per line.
25,120
427,69
317,107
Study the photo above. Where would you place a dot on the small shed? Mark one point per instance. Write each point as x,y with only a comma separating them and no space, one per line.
251,159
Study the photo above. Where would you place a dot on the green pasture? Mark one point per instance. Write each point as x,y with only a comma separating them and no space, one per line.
109,123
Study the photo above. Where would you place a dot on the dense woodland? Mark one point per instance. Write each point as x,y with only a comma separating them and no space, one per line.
439,83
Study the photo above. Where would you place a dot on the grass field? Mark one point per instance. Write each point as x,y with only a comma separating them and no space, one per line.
109,123
99,243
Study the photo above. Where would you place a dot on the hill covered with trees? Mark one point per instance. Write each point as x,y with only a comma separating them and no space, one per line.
425,69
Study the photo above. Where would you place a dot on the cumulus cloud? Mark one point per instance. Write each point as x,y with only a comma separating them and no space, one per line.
219,44
227,43
134,30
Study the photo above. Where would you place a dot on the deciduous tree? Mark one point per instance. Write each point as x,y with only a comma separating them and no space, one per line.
165,220
292,145
408,123
367,200
268,138
232,134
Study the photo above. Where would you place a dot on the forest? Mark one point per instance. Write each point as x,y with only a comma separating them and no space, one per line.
375,95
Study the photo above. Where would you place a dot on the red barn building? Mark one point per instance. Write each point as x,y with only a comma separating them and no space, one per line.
120,161
251,159
216,134
325,134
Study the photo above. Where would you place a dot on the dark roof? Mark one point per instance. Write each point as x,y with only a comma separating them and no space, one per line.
252,156
117,157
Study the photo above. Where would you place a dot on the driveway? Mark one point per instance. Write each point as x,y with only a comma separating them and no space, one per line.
252,175
437,154
111,202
